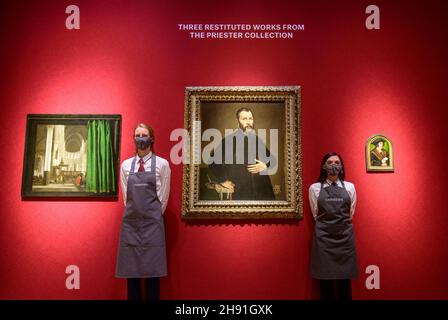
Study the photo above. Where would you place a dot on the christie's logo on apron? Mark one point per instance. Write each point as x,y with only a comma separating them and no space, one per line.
334,199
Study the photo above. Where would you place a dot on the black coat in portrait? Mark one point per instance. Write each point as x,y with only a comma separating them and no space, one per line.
241,150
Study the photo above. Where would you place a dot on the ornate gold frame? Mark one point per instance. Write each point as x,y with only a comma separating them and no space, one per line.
292,207
369,166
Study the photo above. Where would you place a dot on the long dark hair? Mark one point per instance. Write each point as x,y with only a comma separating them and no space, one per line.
323,174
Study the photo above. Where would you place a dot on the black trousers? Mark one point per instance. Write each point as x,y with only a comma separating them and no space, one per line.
152,288
340,289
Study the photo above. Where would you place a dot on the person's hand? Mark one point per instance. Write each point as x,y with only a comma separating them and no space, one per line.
256,168
228,185
383,161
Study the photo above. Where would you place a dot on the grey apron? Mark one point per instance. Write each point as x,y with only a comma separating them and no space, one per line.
333,255
141,252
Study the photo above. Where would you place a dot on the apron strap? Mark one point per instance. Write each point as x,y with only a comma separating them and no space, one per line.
153,163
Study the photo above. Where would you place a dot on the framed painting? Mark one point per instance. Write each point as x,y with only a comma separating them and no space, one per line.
71,156
379,154
243,153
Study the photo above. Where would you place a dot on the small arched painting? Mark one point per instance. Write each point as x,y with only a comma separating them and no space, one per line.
379,154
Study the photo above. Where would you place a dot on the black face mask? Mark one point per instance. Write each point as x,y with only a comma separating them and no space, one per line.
143,143
333,169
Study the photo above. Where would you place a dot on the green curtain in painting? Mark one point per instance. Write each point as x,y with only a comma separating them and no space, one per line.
100,162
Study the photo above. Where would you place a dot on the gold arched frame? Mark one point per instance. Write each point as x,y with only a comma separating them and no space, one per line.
390,154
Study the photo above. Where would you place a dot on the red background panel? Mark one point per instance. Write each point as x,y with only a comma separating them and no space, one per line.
129,58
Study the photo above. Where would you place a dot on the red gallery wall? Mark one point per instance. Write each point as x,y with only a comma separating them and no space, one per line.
129,58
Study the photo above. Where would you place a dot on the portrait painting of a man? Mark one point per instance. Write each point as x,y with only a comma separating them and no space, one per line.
245,160
379,154
249,161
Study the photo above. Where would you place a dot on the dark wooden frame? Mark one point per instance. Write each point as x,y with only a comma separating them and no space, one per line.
33,120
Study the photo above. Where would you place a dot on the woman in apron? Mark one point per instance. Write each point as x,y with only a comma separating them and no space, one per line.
333,255
145,181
